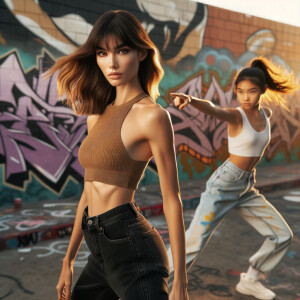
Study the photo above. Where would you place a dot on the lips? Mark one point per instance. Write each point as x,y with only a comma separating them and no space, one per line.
114,75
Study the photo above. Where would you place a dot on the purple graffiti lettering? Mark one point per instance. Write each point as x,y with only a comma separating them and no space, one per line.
37,134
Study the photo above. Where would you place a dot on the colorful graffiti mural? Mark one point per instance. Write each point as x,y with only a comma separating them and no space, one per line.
40,136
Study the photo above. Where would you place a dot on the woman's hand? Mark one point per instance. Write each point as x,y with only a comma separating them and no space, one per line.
181,100
66,275
179,292
65,281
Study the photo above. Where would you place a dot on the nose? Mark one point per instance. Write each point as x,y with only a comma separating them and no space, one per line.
113,63
246,96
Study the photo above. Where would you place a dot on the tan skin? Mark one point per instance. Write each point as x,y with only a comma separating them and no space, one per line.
146,132
248,95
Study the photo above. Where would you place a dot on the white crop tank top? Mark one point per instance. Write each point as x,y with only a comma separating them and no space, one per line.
249,142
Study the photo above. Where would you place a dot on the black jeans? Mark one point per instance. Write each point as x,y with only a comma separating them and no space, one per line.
128,258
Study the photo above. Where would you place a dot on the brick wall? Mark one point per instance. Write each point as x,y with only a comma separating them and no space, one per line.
201,48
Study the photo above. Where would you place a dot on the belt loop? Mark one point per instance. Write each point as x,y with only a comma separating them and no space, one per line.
135,208
97,223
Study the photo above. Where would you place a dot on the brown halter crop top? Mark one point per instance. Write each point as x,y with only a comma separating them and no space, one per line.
103,154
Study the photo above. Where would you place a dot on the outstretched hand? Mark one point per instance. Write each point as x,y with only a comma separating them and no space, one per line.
180,100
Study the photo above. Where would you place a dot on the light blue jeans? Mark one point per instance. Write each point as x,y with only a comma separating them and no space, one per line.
228,188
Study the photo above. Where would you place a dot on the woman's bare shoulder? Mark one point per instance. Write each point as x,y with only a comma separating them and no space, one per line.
151,114
152,110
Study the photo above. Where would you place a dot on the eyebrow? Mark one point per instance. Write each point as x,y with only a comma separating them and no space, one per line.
254,88
116,48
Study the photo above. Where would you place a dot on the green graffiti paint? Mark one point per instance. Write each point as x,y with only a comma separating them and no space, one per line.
28,60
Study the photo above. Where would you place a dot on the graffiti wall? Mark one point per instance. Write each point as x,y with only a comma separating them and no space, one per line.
201,46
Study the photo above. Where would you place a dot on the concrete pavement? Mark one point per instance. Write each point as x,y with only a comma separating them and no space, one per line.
52,219
31,273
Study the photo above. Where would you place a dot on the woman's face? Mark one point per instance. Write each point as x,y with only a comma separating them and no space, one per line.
248,94
118,62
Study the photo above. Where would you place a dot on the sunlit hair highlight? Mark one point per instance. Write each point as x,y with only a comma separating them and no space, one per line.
81,82
274,80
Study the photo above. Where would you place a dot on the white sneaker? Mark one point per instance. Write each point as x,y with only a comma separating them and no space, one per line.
252,287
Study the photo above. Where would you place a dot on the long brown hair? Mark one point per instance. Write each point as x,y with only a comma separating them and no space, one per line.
264,73
81,82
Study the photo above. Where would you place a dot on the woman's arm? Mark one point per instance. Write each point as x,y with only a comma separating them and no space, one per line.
77,234
65,279
159,132
230,115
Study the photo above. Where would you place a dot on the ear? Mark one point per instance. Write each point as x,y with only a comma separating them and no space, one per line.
265,88
142,54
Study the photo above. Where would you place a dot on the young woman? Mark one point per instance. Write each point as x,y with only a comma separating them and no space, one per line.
113,78
232,184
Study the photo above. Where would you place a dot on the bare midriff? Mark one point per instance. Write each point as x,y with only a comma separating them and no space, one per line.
102,197
244,163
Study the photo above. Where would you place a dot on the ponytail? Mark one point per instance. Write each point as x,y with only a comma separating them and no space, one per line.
276,78
273,80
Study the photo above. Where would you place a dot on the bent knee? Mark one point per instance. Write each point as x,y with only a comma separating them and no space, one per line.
287,238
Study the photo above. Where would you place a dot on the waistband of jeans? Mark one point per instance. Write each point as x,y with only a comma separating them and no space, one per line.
122,211
238,171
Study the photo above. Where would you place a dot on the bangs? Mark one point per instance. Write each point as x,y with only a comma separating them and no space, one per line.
256,81
113,30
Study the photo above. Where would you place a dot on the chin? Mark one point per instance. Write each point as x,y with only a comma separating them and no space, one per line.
114,83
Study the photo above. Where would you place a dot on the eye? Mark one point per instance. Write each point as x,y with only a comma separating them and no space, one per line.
123,51
101,53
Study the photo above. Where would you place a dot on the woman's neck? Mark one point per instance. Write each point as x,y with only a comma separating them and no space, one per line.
252,110
126,92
